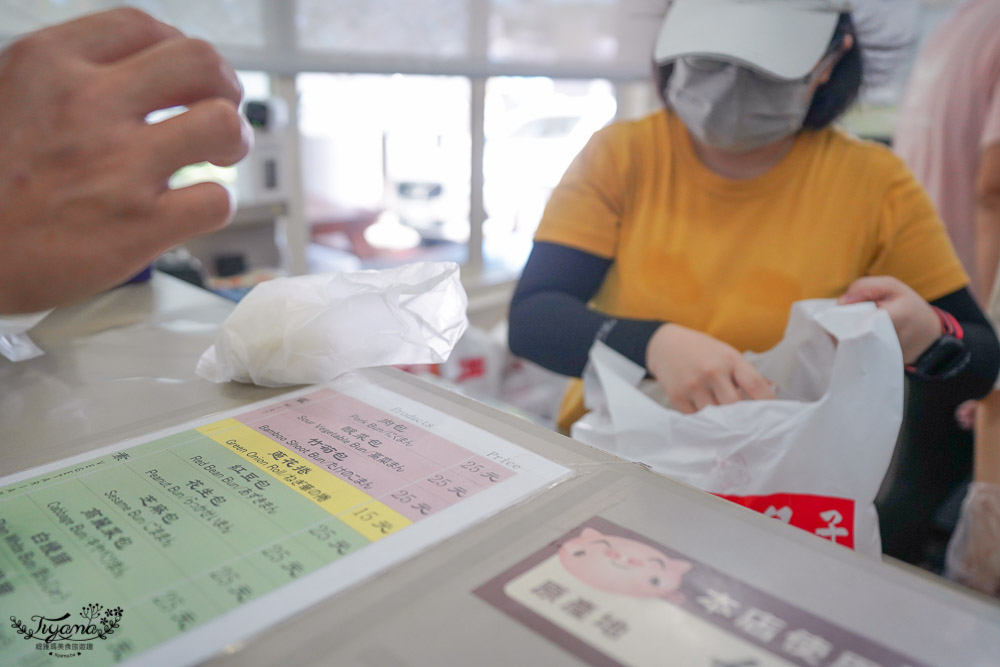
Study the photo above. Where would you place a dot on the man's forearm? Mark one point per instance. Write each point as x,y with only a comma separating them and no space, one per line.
987,223
987,462
987,249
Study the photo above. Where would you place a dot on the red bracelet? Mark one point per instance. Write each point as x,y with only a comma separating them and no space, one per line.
949,325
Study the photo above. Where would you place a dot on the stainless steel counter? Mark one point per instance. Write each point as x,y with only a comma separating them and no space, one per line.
122,365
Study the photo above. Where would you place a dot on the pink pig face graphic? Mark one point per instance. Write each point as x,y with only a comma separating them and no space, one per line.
620,565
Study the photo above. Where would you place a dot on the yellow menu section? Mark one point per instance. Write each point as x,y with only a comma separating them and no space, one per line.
351,505
333,495
374,520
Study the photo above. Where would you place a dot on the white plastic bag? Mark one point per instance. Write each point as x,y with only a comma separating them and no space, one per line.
15,344
483,367
813,458
474,368
310,329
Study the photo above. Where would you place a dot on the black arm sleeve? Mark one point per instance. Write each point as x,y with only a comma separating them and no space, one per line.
934,454
552,325
976,379
550,321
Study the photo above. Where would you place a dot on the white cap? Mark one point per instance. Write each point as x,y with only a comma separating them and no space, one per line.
783,38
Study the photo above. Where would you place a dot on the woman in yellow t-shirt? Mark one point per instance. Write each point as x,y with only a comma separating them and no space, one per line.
683,238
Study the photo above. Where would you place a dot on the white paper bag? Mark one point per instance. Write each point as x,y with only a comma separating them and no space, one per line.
310,329
814,457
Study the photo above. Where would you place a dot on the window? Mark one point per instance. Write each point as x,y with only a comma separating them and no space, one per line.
387,177
238,23
436,127
256,85
429,128
534,127
386,166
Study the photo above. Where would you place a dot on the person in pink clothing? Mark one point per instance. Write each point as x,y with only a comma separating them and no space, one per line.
949,135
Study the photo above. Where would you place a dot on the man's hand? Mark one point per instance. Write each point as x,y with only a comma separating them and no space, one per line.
84,202
696,370
916,323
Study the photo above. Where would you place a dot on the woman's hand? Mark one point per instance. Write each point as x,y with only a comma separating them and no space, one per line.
917,325
696,370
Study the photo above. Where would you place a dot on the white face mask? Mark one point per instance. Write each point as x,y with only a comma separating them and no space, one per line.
733,108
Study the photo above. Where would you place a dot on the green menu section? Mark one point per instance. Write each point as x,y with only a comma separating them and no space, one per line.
104,560
124,555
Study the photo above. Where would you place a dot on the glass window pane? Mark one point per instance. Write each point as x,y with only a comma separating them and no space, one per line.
386,166
436,28
614,37
535,126
256,85
223,22
20,16
553,30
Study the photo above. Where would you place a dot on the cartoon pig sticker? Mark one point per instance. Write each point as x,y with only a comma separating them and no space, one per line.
620,565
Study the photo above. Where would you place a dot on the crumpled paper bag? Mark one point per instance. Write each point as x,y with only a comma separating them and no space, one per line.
15,344
310,329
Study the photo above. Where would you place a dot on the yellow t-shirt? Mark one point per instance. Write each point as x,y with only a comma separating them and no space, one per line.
727,257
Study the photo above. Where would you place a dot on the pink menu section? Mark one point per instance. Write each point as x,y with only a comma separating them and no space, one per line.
401,464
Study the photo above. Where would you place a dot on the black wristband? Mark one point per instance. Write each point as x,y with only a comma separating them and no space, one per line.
945,358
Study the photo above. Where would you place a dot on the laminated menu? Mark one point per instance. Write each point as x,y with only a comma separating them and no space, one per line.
165,549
